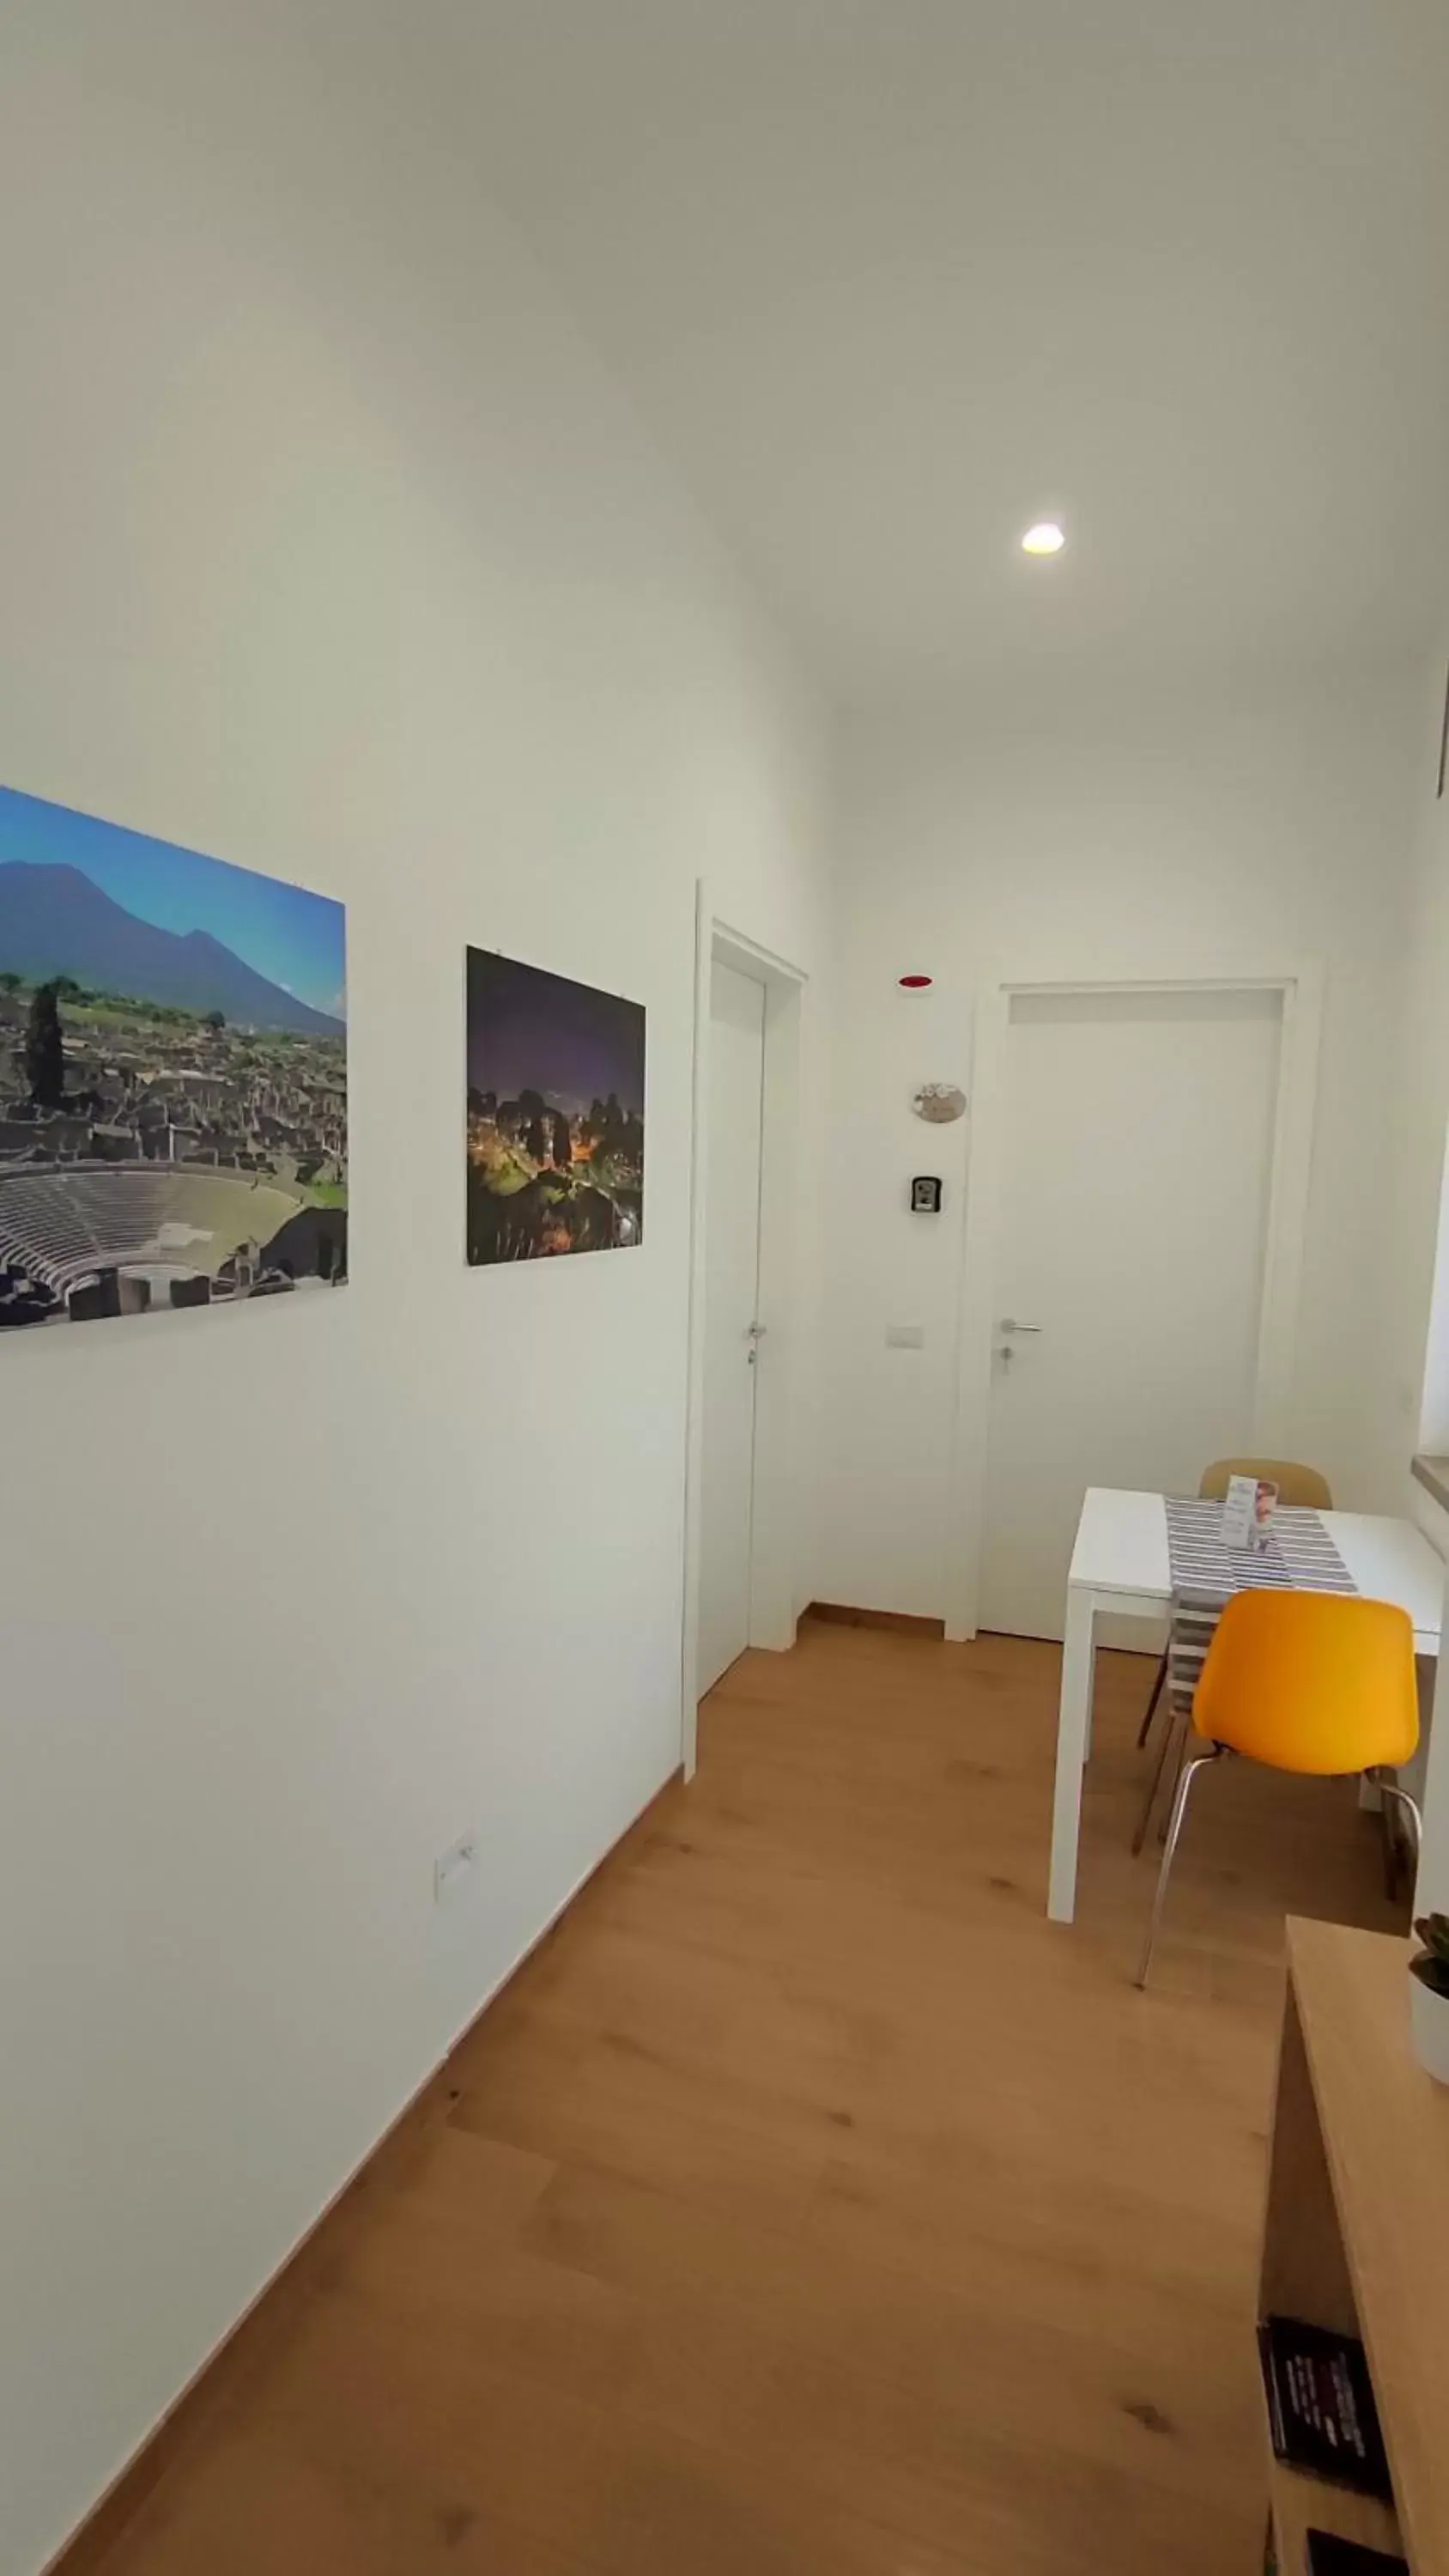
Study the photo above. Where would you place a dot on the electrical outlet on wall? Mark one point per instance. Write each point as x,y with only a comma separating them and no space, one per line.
453,1868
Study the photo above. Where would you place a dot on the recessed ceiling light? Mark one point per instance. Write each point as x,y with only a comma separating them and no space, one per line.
1044,539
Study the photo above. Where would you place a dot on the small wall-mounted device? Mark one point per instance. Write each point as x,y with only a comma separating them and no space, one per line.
939,1103
925,1195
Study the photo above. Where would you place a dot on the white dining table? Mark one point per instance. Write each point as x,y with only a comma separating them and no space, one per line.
1120,1565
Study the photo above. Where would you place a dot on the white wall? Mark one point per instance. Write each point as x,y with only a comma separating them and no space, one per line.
1412,1344
1415,1346
1130,826
328,549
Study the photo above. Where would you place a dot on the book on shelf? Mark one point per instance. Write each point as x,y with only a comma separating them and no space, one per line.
1321,2405
1330,2556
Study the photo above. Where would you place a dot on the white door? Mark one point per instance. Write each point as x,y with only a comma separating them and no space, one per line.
731,1291
1129,1276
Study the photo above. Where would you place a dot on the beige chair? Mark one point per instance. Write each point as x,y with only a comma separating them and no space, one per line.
1302,1489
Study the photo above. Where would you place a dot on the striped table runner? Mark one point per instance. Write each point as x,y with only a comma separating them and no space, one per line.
1299,1557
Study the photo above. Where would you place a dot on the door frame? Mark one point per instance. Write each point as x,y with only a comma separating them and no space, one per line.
1300,988
774,1519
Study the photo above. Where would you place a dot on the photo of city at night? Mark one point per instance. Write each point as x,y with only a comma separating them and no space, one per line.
555,1152
173,1075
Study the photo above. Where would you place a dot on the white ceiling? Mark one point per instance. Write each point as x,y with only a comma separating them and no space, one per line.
892,278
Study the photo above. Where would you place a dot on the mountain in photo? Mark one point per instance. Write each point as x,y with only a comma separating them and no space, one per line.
54,921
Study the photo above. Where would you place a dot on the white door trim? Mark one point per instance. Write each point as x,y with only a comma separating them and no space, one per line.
1301,989
774,1519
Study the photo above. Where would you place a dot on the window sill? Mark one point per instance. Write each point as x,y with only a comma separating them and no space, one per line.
1433,1475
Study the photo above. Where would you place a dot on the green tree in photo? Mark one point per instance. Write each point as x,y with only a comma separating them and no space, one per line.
45,1050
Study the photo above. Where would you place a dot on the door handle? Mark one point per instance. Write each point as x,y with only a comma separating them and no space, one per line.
1009,1324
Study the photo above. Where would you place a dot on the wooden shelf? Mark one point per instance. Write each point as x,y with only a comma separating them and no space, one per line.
1357,2232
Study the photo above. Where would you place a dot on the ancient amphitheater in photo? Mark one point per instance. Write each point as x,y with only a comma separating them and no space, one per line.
130,1239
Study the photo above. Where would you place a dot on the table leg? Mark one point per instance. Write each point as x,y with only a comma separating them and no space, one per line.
1074,1735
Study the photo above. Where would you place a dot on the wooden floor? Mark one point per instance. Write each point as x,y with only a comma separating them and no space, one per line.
810,2206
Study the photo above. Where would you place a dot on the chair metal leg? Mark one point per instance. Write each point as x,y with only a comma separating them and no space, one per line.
1390,1791
1190,1770
1401,1798
1174,1732
1145,1728
1184,1738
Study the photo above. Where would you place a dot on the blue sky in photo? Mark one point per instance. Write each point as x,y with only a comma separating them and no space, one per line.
294,938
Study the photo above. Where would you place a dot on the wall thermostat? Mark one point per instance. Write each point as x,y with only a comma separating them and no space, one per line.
926,1195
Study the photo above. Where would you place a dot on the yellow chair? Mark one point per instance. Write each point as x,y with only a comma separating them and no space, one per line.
1299,1488
1316,1682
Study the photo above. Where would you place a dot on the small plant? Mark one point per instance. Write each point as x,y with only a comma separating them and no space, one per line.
1431,1966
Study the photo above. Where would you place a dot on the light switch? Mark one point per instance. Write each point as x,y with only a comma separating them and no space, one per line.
905,1337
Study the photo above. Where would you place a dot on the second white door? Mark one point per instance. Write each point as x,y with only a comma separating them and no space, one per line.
1133,1225
731,1320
